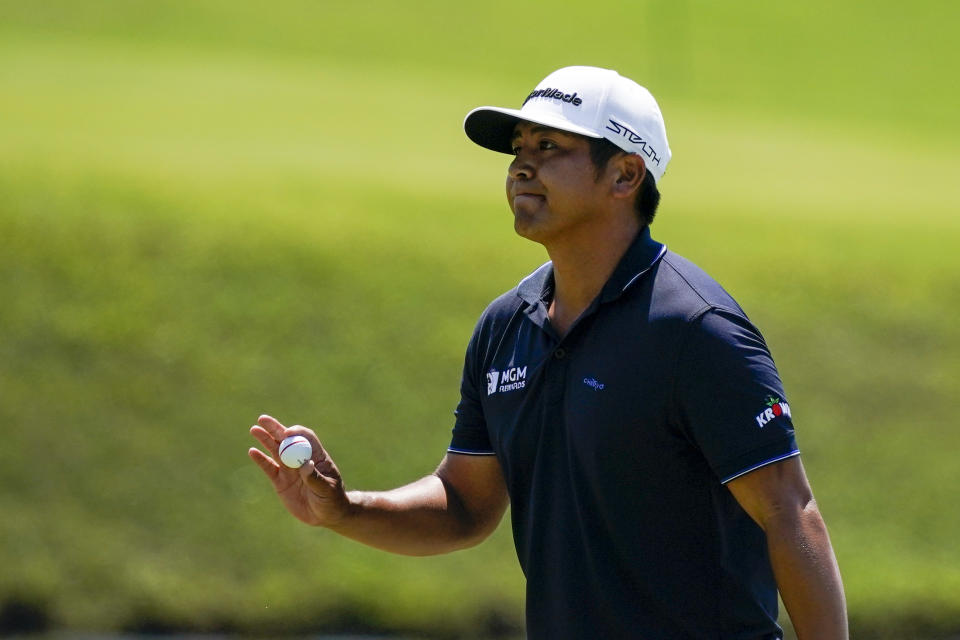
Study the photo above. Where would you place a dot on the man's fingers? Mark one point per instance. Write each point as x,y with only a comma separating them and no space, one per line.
319,473
267,440
274,430
272,426
265,462
319,453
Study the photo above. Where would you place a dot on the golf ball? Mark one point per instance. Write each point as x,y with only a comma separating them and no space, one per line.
294,451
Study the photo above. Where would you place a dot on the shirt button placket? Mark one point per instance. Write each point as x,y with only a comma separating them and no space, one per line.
557,374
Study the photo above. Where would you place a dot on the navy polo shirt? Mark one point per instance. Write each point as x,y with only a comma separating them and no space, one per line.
615,443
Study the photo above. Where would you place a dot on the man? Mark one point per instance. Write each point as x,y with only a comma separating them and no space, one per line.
618,398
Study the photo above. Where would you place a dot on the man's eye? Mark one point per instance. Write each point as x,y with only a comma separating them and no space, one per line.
547,144
515,150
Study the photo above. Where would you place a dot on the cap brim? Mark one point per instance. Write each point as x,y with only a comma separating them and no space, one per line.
492,127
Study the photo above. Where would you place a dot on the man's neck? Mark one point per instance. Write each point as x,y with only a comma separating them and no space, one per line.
582,266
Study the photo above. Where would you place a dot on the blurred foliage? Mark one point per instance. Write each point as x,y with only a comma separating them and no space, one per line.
211,210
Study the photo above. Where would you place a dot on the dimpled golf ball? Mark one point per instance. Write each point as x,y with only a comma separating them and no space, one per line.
294,451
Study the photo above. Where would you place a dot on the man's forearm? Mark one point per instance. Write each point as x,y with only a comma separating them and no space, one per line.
807,574
422,518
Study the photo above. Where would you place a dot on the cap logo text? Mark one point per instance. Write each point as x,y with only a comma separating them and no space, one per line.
555,94
634,138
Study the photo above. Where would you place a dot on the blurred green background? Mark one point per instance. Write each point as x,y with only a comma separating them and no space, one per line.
211,210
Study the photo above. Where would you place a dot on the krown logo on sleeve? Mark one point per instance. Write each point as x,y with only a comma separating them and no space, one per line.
775,409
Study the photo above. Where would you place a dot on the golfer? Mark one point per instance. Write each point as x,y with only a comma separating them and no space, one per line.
618,399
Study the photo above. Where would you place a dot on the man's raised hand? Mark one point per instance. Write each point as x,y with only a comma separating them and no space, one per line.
313,493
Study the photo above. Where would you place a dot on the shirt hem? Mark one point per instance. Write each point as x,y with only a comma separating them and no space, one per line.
468,452
791,454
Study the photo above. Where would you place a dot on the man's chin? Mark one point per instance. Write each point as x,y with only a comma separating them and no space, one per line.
528,227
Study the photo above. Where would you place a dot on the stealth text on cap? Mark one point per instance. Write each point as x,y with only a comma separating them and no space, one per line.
555,94
634,138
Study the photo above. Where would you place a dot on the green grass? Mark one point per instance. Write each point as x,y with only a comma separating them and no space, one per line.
214,210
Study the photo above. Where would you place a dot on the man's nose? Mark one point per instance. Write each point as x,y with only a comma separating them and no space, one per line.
521,168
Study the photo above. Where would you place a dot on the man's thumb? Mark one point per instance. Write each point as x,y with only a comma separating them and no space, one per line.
312,477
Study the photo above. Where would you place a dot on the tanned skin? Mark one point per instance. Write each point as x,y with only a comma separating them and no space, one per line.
586,222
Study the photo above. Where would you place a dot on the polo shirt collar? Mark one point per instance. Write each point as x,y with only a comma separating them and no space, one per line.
537,286
642,254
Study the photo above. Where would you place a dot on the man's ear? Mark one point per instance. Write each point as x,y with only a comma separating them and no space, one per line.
630,171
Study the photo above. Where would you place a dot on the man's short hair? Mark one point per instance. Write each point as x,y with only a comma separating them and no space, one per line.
648,197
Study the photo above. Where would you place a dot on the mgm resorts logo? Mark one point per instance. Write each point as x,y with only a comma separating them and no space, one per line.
554,94
634,138
503,381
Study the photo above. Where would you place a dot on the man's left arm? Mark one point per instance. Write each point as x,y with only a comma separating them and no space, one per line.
779,499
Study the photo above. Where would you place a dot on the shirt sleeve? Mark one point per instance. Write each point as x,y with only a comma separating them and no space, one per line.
470,434
730,398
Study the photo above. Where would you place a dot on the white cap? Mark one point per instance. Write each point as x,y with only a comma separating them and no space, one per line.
594,102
